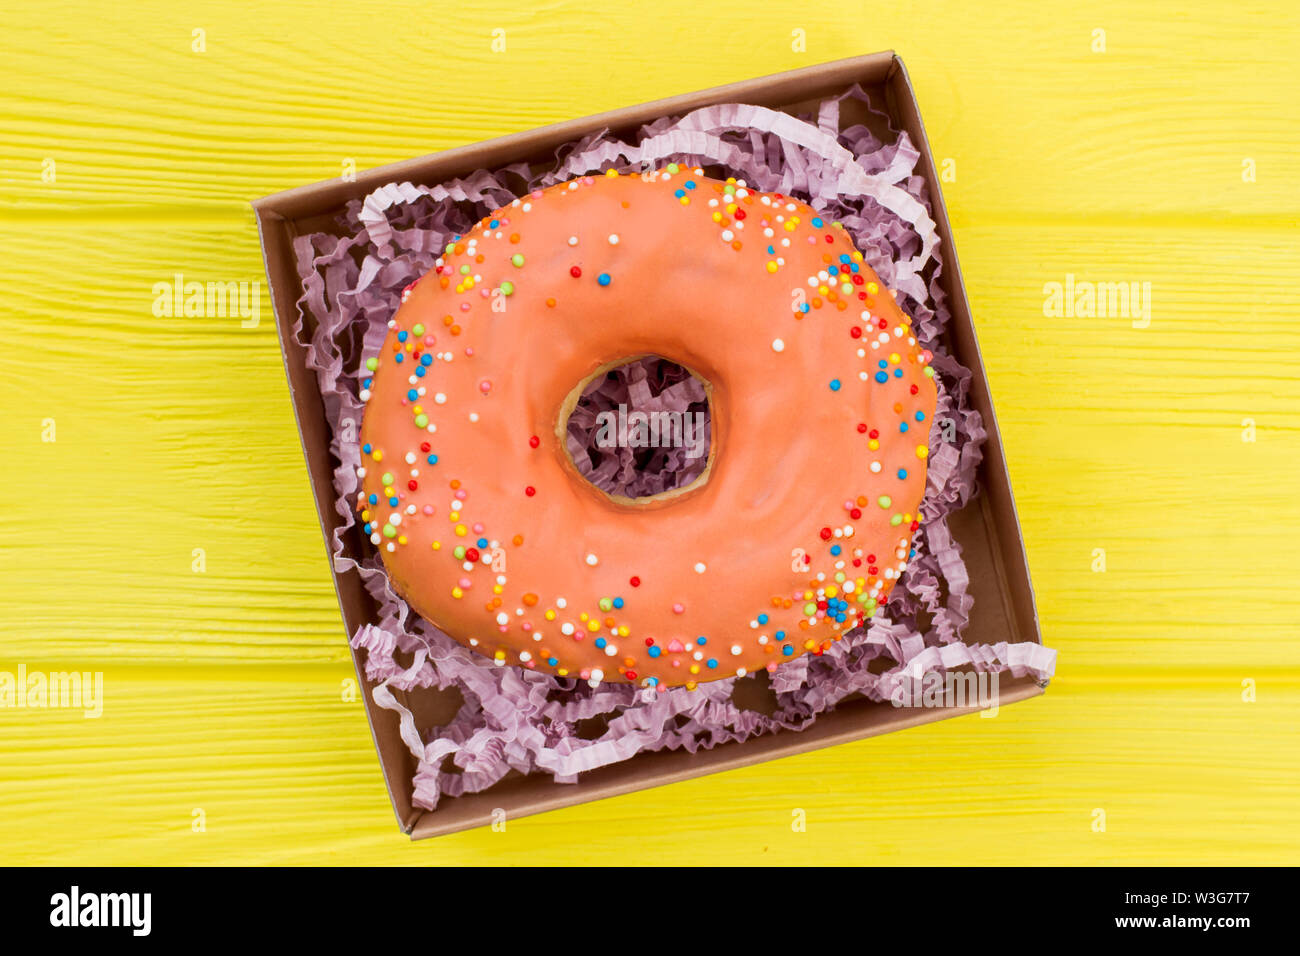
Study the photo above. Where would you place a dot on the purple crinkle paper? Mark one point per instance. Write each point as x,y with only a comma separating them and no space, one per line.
641,464
516,719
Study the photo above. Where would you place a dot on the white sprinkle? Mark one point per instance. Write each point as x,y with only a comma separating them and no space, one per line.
361,472
610,650
503,618
566,629
440,398
875,467
410,458
778,345
592,560
525,656
700,567
573,240
613,239
473,416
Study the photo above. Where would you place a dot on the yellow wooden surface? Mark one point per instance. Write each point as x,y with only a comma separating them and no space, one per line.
223,686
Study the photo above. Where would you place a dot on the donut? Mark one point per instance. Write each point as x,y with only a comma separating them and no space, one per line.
820,401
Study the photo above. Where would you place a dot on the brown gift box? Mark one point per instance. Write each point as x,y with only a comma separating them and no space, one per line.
987,528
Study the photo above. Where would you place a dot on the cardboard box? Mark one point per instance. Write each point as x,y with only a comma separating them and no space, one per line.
987,528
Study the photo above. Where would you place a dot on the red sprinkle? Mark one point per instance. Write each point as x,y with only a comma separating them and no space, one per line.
855,513
425,446
575,272
535,441
412,485
634,581
856,332
471,554
826,534
862,427
530,491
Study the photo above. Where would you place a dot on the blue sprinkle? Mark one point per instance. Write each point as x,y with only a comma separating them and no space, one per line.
780,635
494,223
366,527
804,308
603,278
618,602
690,185
392,502
412,394
373,499
771,250
419,371
712,663
817,221
920,416
902,426
432,459
600,642
679,193
882,377
835,549
835,385
787,650
902,474
366,448
399,357
551,661
701,640
854,267
654,651
844,257
482,542
367,383
898,373
426,359
402,336
883,363
762,619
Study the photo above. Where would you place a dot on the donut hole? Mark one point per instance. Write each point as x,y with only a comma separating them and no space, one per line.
641,428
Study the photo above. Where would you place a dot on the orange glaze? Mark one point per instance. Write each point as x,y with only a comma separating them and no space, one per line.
733,575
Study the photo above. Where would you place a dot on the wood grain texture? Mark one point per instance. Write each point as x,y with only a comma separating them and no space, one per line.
224,687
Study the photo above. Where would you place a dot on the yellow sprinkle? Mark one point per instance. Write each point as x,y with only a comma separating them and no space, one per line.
500,655
460,530
401,539
922,451
832,590
695,668
611,173
593,626
583,616
457,593
550,614
717,217
497,589
771,266
872,288
562,671
377,455
873,444
437,546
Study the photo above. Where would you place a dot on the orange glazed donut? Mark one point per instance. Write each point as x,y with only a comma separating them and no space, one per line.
820,398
